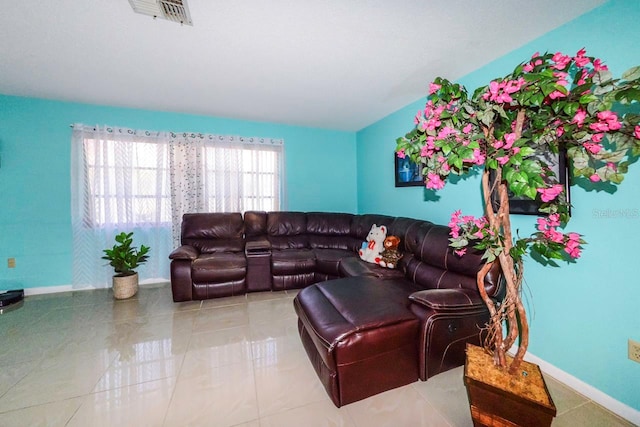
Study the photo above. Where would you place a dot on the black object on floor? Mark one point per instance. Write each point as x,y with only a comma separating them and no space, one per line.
8,298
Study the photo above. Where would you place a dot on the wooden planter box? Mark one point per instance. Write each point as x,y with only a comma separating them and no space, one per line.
499,399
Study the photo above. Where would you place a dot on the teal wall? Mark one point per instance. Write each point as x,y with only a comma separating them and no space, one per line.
35,141
581,314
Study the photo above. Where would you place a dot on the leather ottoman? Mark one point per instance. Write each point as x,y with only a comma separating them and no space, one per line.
360,335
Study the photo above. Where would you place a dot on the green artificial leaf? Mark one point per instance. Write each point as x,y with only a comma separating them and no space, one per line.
586,99
488,117
546,208
518,70
547,72
530,192
457,161
602,76
521,177
548,88
623,167
573,151
570,108
526,151
531,167
586,172
615,177
580,162
537,99
601,90
508,173
459,242
500,110
628,96
518,188
632,73
610,157
532,77
468,108
582,135
489,256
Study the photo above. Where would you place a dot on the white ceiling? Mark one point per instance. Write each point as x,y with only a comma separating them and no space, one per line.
337,64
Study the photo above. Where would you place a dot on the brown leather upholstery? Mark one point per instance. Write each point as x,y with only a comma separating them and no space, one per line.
211,261
360,335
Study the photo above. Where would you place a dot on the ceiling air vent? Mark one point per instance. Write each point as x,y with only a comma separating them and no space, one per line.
171,10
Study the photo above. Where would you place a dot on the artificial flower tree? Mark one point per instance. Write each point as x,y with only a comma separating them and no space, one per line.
554,103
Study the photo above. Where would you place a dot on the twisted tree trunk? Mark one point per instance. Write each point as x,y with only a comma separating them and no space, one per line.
511,310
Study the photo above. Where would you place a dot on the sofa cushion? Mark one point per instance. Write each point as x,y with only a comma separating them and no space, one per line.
286,223
255,223
334,242
213,232
328,260
292,261
363,333
353,267
434,265
219,267
400,227
344,310
329,224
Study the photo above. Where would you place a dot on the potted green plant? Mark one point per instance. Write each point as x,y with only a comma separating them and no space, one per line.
551,104
125,258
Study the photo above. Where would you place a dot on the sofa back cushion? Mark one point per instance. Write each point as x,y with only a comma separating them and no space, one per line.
434,265
287,230
255,223
400,227
213,232
330,231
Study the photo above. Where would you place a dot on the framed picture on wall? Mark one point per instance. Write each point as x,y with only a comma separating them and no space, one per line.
407,173
523,205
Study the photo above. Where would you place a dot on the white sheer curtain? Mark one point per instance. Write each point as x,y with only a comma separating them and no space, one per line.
119,182
216,173
143,181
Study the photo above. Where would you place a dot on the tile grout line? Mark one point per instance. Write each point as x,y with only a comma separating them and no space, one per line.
175,384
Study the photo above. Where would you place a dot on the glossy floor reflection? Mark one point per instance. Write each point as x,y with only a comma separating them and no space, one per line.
84,359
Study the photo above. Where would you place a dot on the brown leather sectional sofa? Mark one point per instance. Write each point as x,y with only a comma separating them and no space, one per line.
366,329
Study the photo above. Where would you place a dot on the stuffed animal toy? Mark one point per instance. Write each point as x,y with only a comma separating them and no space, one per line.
390,256
371,249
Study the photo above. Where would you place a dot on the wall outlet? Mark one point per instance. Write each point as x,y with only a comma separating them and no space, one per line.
11,263
634,350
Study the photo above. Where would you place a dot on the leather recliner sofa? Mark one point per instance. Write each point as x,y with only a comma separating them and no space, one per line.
366,329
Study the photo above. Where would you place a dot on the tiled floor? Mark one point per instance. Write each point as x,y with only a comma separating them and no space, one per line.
84,359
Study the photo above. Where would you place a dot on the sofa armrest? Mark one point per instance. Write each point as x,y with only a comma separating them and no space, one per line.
257,247
185,252
459,299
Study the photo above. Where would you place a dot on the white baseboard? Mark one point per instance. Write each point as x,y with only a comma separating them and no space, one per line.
69,288
627,412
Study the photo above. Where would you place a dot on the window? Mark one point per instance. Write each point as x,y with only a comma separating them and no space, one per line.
253,185
141,181
127,183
